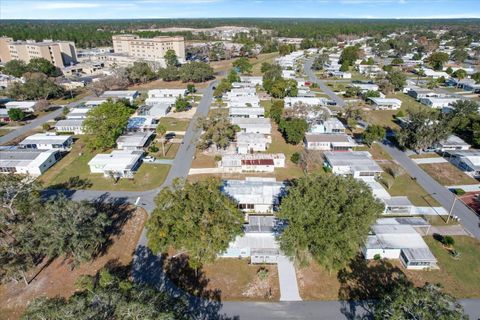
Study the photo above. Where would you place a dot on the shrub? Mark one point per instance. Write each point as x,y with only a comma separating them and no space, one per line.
459,192
448,241
295,158
400,114
218,158
262,273
46,127
377,257
153,149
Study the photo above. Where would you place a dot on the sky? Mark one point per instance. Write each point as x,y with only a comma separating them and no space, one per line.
137,9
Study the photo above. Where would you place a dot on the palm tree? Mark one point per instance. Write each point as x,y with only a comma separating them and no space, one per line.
161,130
420,73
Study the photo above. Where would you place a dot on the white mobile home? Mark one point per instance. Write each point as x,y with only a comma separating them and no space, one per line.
118,164
30,162
252,142
386,103
129,95
134,140
253,125
70,126
25,106
47,141
359,164
327,142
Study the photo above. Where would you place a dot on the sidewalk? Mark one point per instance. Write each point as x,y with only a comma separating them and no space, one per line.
288,280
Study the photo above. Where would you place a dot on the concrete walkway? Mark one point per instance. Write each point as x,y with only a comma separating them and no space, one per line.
453,230
429,160
288,280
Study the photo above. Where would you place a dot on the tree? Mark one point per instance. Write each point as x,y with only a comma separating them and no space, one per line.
161,131
44,66
463,111
218,131
222,87
117,81
196,218
71,229
423,129
293,129
36,86
397,79
171,59
111,296
352,91
476,77
459,55
449,70
233,76
372,94
437,59
282,88
105,123
191,88
460,74
140,72
285,49
349,55
344,67
396,61
328,218
181,104
16,114
373,133
196,72
409,302
417,56
15,68
170,73
243,65
320,61
295,158
276,110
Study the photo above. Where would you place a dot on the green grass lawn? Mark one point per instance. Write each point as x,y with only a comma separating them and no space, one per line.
75,164
170,150
4,132
266,104
461,278
386,118
173,124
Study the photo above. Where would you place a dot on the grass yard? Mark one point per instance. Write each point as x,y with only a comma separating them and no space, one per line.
257,62
378,153
316,283
202,160
4,132
238,280
225,279
75,165
266,104
461,278
173,124
447,174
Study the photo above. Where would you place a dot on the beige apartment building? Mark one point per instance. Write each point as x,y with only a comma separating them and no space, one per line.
152,49
59,53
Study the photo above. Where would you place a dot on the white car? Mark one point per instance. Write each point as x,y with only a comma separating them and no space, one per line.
149,159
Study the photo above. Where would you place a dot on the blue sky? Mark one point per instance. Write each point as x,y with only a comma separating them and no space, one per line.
125,9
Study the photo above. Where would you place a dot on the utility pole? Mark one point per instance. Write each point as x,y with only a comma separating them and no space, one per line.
451,209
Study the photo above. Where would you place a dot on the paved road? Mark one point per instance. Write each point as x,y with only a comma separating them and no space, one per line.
30,126
38,122
320,310
468,218
307,67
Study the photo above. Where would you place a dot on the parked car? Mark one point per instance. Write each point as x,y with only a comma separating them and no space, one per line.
149,159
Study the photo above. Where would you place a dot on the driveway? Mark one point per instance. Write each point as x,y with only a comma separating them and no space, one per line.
468,218
288,280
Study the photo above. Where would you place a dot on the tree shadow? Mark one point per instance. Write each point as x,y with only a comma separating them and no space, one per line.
73,183
365,281
119,214
148,269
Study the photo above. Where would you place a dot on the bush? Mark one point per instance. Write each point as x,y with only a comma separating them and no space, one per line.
217,158
46,127
377,257
295,158
153,149
459,192
262,273
448,241
400,114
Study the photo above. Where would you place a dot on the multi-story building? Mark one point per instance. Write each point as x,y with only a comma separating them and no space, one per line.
60,53
152,49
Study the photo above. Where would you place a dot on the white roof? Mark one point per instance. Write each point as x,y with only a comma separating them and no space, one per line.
120,93
117,160
246,111
25,158
45,138
253,190
20,104
356,160
255,241
386,101
134,139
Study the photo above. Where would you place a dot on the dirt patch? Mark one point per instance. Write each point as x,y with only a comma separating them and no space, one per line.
316,283
226,279
447,174
59,280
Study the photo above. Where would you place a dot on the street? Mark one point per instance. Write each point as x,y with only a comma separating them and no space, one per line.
307,67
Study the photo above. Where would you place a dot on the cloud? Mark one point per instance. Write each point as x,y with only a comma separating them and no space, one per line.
65,5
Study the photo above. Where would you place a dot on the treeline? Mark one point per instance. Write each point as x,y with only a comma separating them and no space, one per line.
91,33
